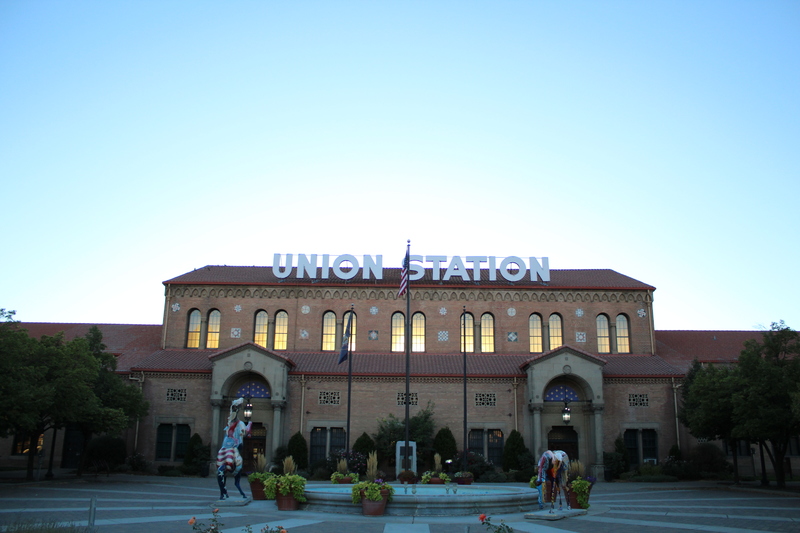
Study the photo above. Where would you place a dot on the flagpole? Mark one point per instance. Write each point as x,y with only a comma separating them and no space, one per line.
349,379
464,355
406,462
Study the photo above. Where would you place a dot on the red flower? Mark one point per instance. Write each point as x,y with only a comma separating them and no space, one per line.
192,520
482,518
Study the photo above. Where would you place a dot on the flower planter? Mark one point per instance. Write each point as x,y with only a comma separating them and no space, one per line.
257,490
464,480
436,481
287,502
346,481
372,507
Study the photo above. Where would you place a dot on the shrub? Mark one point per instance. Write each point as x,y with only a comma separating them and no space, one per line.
138,463
105,452
197,456
476,463
514,447
444,443
615,463
680,469
493,477
710,461
298,450
364,444
356,462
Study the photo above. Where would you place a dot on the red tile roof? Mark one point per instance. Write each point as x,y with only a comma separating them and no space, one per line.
559,279
680,348
638,366
186,360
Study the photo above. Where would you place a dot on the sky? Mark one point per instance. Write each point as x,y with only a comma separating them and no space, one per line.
140,140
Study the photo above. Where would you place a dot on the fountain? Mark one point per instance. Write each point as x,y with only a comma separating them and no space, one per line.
429,500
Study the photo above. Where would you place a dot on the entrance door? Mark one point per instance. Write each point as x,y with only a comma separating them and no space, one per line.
563,438
254,446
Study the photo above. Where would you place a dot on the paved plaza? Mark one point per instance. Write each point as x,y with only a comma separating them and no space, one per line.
128,504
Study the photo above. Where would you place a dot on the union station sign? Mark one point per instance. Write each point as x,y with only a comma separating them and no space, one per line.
347,266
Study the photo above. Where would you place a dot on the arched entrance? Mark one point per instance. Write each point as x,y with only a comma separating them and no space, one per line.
564,438
254,447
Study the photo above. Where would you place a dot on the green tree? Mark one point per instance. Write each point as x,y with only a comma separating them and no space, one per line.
445,444
762,407
513,449
298,449
364,444
392,430
708,408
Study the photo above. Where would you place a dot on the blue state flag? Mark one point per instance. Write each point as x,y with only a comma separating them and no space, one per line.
346,340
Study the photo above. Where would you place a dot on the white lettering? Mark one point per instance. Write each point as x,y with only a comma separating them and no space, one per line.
476,261
373,267
326,265
542,271
304,264
456,268
417,270
276,266
506,273
337,266
492,268
436,260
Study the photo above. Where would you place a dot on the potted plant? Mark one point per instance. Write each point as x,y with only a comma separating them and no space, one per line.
257,480
578,491
407,476
463,477
435,478
287,490
344,478
372,495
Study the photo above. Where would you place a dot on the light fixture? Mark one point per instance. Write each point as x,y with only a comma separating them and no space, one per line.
566,413
248,409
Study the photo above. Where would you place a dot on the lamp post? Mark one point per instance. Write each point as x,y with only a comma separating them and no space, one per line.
566,413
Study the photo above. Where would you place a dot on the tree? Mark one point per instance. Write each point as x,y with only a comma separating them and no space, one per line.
392,430
445,444
769,374
364,444
298,449
513,449
708,408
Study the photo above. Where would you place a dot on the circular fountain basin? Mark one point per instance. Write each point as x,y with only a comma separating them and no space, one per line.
429,500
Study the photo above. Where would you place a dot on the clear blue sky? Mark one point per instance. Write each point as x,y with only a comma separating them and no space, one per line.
140,140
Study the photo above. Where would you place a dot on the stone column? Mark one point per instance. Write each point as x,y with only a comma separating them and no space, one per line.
612,335
277,424
476,335
271,333
545,337
203,331
216,407
339,330
536,428
598,466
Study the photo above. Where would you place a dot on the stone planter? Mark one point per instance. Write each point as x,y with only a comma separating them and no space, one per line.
257,490
436,481
287,502
464,480
373,508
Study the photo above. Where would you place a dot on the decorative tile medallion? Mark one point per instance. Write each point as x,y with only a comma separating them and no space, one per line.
237,308
304,334
642,313
580,336
512,336
236,333
373,335
305,309
442,311
444,336
373,310
511,311
176,307
579,312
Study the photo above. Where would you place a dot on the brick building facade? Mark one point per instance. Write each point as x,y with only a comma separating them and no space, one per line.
585,338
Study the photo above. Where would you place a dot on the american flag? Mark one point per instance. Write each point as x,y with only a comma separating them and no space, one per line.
404,276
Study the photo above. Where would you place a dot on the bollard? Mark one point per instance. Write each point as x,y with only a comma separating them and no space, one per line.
92,512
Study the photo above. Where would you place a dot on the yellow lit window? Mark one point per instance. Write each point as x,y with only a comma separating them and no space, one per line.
535,333
193,336
623,340
418,332
352,329
398,332
487,333
467,333
212,341
603,339
281,330
556,335
329,331
262,324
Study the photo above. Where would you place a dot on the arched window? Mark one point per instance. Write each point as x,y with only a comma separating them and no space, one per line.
487,333
623,339
556,335
398,332
346,318
262,323
329,331
535,332
193,331
214,317
467,333
417,332
281,330
603,338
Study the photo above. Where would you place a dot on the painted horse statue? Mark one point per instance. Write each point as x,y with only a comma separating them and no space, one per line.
553,467
229,457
